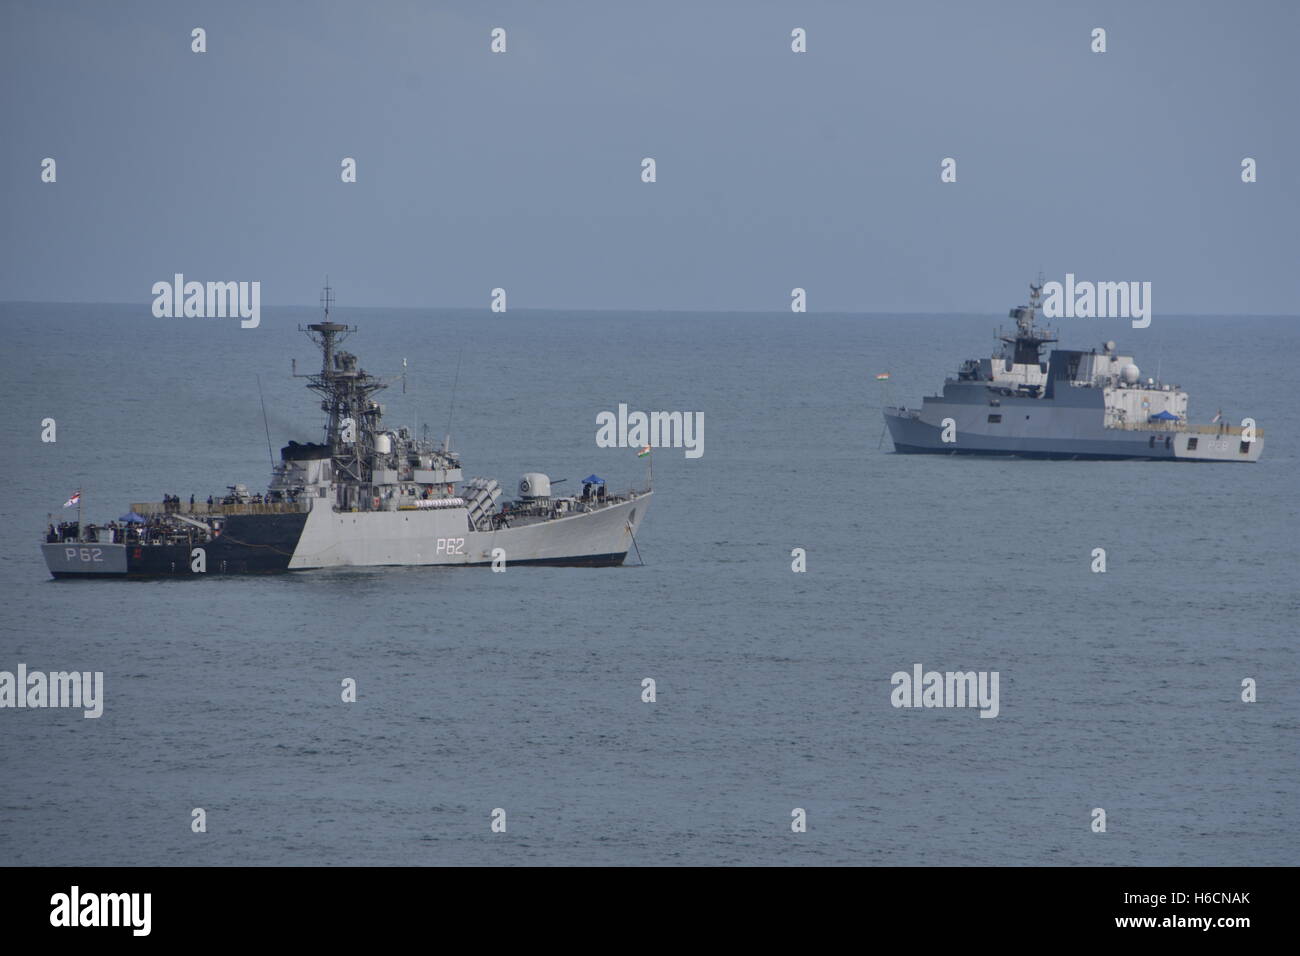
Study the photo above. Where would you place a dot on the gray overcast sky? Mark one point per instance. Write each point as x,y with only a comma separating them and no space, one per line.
775,169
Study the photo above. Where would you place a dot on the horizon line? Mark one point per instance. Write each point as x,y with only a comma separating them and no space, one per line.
672,311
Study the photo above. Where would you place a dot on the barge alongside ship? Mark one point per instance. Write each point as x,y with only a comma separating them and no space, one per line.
366,495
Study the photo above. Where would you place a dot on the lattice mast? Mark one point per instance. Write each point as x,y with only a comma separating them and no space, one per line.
353,417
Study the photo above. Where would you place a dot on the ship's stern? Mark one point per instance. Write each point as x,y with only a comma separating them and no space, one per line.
1227,444
80,559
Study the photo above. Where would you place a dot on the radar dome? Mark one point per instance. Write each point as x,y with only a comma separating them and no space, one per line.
1110,345
1130,374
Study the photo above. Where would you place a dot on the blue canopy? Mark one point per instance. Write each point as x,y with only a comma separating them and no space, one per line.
593,480
132,518
1163,417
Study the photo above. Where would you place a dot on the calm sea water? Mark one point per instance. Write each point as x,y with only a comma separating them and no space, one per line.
522,690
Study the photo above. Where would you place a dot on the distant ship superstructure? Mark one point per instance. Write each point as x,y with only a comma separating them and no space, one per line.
1075,404
366,495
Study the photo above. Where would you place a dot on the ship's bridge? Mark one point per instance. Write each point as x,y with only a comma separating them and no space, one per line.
1002,371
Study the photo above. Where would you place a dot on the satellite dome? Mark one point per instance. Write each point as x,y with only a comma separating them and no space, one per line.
1130,373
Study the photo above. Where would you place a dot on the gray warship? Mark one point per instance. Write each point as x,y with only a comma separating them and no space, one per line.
1073,405
367,495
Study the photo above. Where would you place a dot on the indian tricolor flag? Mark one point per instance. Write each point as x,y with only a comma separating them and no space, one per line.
882,377
74,500
643,452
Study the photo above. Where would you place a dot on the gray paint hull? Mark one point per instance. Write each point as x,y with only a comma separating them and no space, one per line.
1069,426
334,539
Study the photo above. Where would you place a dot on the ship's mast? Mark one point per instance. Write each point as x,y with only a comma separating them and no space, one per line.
1025,347
352,416
1025,320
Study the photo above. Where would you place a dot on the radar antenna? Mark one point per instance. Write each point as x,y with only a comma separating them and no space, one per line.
327,298
1025,346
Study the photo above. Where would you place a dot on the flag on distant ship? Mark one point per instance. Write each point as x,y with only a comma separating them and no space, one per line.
75,499
1218,416
643,452
882,377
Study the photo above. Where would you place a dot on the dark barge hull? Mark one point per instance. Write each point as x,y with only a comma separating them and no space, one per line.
249,544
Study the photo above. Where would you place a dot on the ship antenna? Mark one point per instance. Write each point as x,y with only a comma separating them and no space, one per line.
446,441
327,298
265,423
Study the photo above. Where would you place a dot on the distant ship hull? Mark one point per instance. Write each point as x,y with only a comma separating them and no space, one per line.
325,538
1032,428
1075,405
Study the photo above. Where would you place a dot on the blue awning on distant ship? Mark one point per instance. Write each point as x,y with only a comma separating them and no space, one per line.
132,518
1163,417
593,480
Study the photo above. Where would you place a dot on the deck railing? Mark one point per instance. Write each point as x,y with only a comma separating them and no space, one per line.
147,509
1227,431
